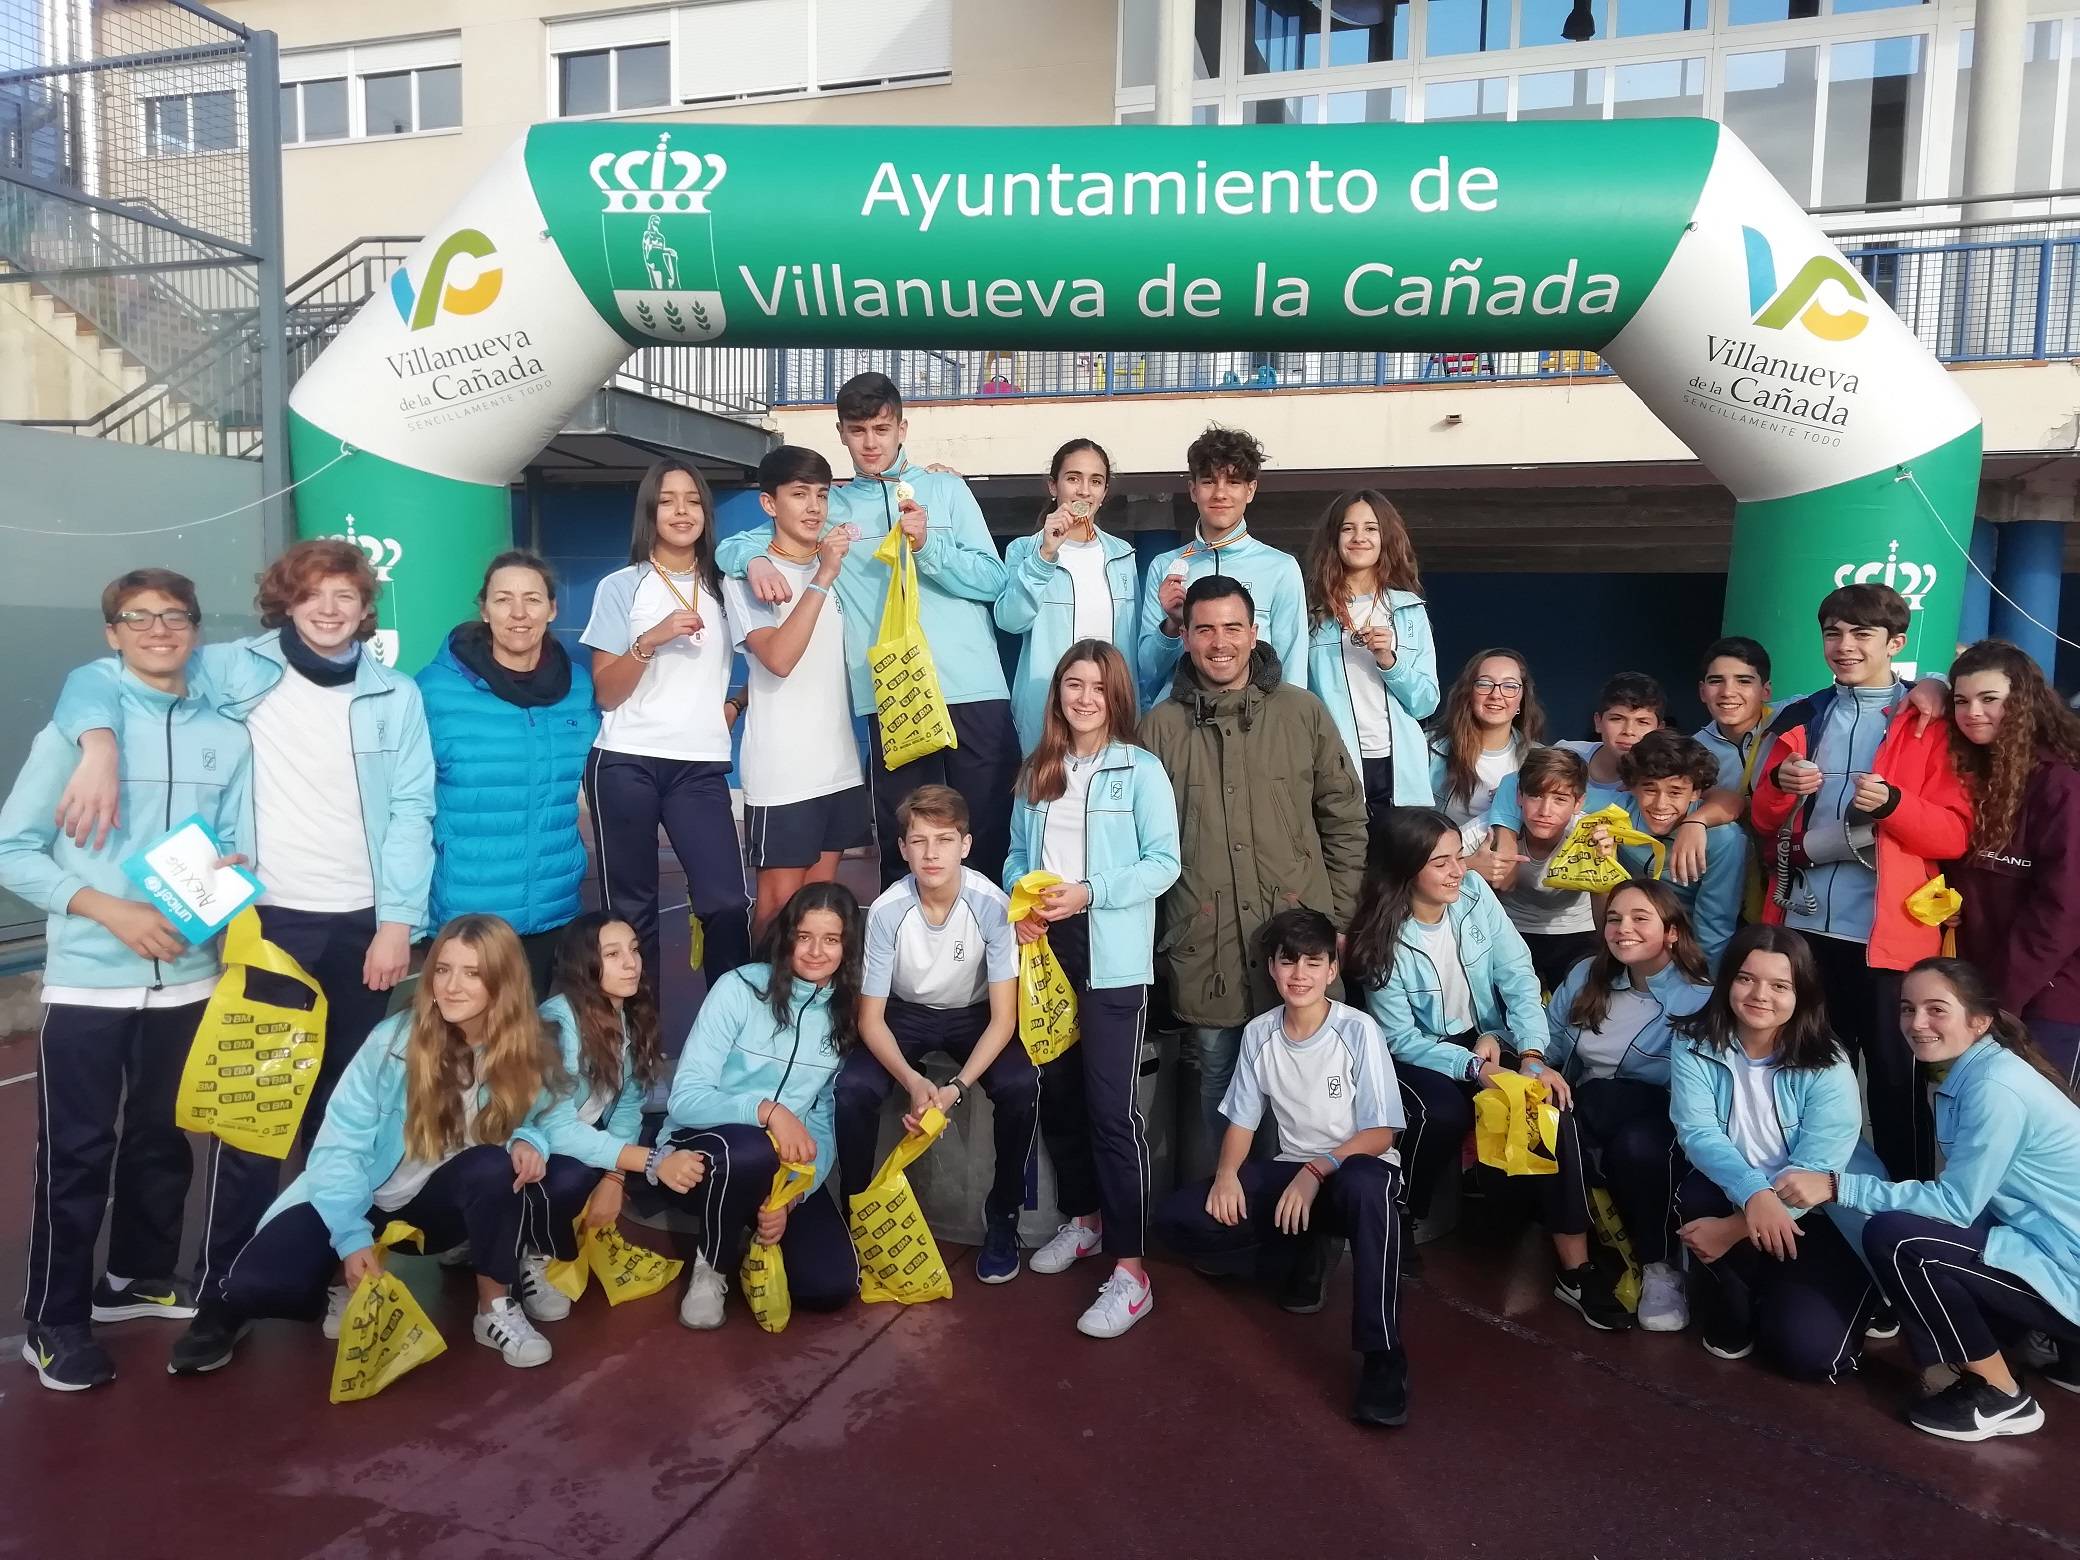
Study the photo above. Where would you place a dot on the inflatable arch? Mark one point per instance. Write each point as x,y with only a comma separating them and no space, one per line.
1662,244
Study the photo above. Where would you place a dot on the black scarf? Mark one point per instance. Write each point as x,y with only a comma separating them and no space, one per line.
319,669
549,682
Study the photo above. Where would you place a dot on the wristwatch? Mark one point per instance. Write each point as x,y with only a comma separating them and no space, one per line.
658,1155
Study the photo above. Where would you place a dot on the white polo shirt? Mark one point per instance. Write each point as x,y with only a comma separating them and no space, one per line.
676,708
951,965
798,741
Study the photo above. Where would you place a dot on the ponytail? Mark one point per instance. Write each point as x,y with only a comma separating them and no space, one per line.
2008,1032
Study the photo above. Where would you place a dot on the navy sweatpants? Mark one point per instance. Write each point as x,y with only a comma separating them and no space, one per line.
1011,1081
331,947
1619,1136
1938,1280
1440,1114
94,1066
1863,1006
1090,1101
285,1268
982,768
1361,1202
552,1204
630,797
1806,1316
822,1271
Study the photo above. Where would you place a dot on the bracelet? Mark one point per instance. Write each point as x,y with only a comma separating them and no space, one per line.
1315,1170
812,585
658,1154
762,1117
636,649
960,1090
618,1175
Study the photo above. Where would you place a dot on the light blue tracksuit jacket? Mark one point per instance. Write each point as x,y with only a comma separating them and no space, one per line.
1411,693
1410,1004
1038,604
1272,577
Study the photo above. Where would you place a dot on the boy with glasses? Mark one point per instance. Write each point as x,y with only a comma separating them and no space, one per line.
123,990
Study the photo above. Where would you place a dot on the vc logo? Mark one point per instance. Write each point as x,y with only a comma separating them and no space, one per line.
419,310
1774,310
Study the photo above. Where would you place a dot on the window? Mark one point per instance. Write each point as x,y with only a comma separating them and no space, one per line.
1202,114
1306,34
187,122
613,81
1872,136
1487,98
396,87
1657,89
1563,21
1379,106
1643,18
1561,94
1771,98
314,111
2040,63
1466,26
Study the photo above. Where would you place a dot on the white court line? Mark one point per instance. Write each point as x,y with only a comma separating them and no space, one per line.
23,1078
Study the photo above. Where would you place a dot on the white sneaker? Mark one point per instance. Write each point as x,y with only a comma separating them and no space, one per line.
505,1327
1071,1243
455,1256
702,1307
336,1298
1663,1306
540,1299
1121,1302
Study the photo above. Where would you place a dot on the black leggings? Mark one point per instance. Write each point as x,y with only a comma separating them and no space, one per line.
1618,1136
284,1269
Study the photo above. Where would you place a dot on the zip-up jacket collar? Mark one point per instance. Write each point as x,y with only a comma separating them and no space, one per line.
1207,704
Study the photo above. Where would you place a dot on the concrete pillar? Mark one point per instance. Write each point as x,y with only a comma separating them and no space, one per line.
1174,62
1972,620
2025,611
1993,118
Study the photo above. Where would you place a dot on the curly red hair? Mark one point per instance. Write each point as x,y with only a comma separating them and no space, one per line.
300,570
2034,721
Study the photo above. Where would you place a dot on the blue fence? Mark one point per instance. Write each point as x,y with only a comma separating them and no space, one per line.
1986,293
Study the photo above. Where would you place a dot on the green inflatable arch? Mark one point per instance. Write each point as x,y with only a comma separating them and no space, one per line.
1662,244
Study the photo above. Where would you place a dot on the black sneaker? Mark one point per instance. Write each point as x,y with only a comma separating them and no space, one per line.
1382,1389
1884,1323
206,1345
66,1358
1973,1409
1589,1291
166,1299
1306,1288
2064,1369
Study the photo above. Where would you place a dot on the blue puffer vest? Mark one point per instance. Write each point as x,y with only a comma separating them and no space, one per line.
505,828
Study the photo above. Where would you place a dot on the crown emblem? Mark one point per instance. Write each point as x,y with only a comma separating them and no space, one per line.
1912,580
660,180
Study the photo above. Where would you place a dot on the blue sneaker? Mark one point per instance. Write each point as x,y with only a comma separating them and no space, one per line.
997,1261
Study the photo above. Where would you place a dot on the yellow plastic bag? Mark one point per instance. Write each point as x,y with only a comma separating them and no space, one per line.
625,1270
1577,865
1514,1129
898,1259
913,713
1933,903
1610,1229
570,1278
384,1333
249,1072
1046,1000
763,1276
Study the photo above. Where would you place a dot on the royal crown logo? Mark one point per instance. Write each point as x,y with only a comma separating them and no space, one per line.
1912,580
673,183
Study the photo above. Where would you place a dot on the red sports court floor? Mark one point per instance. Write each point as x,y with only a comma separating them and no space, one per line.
987,1425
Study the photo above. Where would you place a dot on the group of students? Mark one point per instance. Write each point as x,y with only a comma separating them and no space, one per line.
1253,797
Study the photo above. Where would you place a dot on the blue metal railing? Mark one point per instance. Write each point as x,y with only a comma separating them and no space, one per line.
1986,293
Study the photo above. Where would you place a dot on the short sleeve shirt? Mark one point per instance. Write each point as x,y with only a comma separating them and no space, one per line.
676,708
1322,1091
951,965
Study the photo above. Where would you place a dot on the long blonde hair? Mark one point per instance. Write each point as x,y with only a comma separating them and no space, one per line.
518,1058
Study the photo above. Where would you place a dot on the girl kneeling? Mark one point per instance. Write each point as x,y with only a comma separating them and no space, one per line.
756,1085
1759,1085
434,1123
1610,1023
605,1020
1995,1239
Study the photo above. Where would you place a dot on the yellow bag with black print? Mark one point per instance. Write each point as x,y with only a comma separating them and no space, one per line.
907,700
1610,1229
570,1278
1577,866
625,1270
898,1259
1046,1000
1514,1129
763,1276
1933,904
250,1068
384,1333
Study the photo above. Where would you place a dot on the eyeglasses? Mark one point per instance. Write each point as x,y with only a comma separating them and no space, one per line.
1510,686
175,618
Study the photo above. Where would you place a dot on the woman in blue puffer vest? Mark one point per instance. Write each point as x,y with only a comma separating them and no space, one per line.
512,718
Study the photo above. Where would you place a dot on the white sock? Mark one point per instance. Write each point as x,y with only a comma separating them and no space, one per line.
117,1284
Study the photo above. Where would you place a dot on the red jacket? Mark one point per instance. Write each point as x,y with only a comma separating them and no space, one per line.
1930,823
